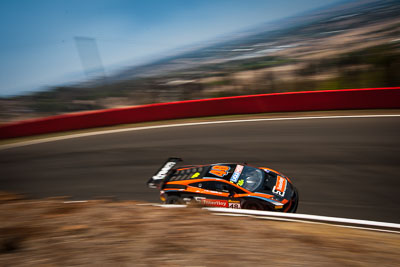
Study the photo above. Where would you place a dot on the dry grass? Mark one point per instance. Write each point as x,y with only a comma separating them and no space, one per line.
103,233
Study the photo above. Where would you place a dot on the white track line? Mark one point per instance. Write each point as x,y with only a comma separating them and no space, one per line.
309,222
58,138
295,217
307,217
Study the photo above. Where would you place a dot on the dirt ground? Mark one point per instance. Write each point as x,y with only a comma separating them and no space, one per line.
49,232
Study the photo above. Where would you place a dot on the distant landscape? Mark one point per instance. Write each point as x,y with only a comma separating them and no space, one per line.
351,45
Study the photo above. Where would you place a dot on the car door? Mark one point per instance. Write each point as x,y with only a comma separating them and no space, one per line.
211,193
235,194
218,194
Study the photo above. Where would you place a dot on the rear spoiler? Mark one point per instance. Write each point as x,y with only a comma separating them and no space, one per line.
163,172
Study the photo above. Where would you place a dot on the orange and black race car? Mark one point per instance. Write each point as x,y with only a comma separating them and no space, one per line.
227,185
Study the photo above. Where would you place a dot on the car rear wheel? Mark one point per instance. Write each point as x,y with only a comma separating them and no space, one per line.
174,200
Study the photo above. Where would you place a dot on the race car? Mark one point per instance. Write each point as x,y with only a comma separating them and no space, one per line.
228,185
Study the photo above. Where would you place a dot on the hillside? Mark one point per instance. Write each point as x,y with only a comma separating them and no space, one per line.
350,45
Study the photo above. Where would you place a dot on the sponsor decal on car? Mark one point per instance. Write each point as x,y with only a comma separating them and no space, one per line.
280,186
163,172
195,175
215,203
236,174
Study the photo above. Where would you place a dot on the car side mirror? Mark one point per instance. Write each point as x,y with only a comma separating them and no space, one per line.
231,193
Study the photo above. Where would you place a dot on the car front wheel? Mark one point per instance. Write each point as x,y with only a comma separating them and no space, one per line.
252,205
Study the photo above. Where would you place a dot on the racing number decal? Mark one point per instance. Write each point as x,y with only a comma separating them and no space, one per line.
219,171
234,205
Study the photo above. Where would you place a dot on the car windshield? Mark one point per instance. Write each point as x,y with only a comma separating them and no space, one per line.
251,178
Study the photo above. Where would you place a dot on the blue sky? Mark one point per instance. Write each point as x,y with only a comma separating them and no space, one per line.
37,48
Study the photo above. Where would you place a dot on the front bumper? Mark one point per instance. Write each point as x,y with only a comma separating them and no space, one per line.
295,201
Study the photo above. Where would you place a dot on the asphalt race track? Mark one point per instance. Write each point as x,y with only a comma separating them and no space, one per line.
345,167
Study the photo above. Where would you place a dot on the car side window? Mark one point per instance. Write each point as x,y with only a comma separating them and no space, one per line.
237,190
210,186
198,184
205,185
218,186
224,187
